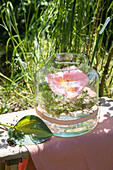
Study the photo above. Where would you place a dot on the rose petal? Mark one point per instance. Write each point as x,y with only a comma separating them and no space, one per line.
70,83
76,75
71,68
71,94
57,89
48,78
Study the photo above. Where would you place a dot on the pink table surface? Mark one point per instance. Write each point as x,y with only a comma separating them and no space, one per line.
91,151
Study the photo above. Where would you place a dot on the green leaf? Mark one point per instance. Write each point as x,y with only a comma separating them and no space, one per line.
29,130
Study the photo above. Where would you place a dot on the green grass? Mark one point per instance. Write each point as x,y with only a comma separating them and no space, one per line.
33,30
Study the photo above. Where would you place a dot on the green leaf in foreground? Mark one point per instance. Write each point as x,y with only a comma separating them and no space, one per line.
29,130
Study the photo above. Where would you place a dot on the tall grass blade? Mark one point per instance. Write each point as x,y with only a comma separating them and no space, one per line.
100,33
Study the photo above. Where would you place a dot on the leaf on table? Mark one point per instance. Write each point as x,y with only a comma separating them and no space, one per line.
29,130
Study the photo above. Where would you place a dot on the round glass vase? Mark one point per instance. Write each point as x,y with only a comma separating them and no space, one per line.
66,91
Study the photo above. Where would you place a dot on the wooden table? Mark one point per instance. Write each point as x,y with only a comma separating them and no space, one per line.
13,155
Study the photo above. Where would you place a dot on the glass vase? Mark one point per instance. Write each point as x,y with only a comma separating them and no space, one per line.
66,91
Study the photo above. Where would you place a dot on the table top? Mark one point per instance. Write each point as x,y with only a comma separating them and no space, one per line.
7,152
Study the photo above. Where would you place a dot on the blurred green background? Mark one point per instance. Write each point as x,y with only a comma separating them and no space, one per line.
32,30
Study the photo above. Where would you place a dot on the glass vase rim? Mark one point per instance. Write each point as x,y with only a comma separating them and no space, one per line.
77,54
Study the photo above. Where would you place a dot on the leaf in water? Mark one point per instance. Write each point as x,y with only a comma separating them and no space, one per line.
31,127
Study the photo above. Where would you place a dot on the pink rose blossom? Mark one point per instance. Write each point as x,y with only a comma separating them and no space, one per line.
70,82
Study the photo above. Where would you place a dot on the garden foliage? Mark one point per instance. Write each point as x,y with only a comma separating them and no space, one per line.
31,31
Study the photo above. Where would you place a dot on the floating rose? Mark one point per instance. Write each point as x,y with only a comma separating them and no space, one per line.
70,82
